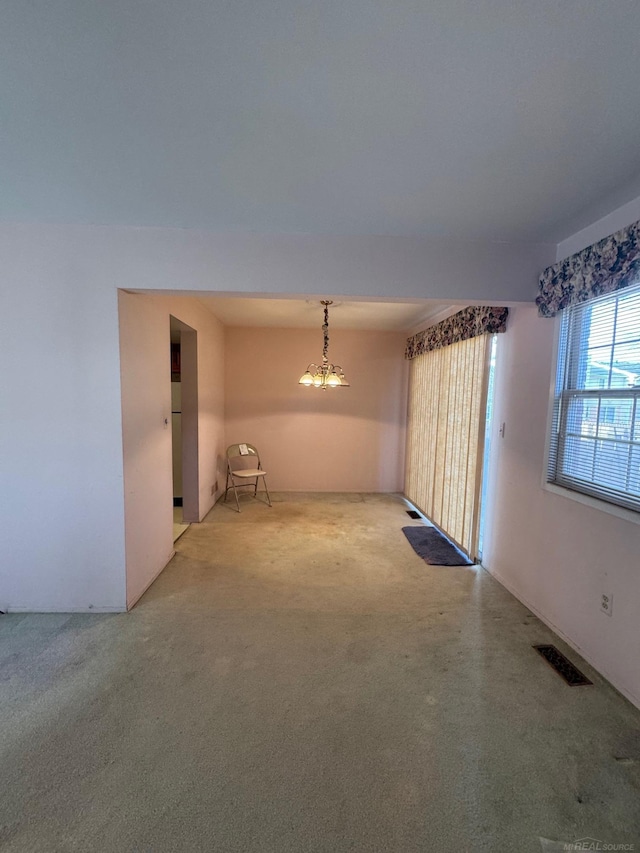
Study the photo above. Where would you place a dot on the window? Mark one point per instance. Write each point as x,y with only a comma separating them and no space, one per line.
595,441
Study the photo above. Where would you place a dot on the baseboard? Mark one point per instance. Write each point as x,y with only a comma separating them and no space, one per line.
332,492
631,697
21,609
131,603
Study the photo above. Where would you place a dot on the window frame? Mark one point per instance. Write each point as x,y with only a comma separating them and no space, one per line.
565,366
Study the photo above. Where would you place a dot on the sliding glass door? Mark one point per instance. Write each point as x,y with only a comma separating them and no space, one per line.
445,439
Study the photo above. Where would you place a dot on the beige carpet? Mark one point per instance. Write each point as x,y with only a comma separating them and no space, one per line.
299,680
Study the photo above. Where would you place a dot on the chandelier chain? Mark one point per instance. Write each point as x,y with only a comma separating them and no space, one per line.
325,330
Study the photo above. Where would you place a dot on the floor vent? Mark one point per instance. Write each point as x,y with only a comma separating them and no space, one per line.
413,514
562,666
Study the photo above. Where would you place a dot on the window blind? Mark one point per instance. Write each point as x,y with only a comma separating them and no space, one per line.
595,439
445,435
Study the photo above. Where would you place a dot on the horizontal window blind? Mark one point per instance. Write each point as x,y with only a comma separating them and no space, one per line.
445,433
595,441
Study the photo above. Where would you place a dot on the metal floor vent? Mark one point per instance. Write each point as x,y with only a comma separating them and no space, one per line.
562,666
413,514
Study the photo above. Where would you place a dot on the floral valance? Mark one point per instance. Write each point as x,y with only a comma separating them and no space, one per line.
606,266
468,323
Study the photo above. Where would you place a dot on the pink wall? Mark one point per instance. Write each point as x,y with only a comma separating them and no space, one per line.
349,439
555,554
64,428
146,402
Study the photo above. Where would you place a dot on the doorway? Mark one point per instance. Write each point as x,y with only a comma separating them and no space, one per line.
184,424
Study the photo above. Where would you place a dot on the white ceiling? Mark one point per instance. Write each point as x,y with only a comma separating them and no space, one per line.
308,313
491,119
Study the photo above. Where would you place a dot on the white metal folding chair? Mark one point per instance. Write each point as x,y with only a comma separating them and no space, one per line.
244,469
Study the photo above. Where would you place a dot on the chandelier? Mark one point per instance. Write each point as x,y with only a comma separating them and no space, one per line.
324,375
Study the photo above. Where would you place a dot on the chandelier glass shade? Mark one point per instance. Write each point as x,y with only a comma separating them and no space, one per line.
324,375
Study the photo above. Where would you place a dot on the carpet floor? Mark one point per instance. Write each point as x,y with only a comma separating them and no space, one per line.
296,680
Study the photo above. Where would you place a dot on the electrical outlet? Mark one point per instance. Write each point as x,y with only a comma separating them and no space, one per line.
606,603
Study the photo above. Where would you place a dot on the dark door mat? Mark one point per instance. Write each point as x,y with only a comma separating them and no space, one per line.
563,666
434,547
413,514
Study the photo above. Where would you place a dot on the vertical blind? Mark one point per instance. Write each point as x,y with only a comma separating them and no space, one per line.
447,401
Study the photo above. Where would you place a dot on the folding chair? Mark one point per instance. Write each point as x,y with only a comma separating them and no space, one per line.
246,472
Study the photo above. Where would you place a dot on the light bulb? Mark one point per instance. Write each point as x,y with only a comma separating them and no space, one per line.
306,379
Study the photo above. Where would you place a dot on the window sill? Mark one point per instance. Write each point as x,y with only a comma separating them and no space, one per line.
594,503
